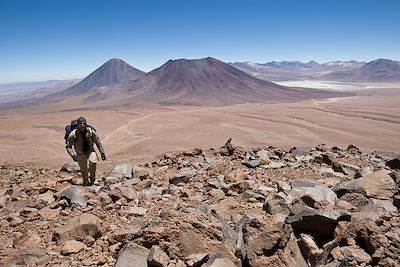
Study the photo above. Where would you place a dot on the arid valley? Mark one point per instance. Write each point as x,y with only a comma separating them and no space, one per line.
205,165
370,119
199,133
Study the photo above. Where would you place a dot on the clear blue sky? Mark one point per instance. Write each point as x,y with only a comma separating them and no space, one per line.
63,39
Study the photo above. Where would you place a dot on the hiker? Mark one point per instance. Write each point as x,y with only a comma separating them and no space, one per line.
83,139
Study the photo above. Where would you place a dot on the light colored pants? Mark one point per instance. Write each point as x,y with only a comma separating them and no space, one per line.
85,162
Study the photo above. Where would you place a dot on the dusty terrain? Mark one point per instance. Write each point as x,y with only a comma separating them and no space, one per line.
370,120
170,196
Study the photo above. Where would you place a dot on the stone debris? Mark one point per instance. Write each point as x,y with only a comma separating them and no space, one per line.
74,197
72,167
122,171
220,207
157,257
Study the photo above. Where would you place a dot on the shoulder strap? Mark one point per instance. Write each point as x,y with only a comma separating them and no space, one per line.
90,130
73,134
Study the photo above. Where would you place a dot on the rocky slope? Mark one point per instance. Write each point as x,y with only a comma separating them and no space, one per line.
218,207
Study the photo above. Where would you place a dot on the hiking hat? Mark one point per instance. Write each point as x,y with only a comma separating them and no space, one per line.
81,120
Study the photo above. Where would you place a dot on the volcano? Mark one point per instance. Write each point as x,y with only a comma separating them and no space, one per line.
112,72
208,81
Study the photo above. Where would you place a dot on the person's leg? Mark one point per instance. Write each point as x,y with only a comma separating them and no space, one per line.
82,161
92,167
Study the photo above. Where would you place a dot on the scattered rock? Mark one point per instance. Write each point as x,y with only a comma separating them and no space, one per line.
319,224
394,163
275,165
225,207
122,171
72,247
252,163
309,249
218,261
74,197
140,211
350,253
78,228
310,193
71,167
378,185
157,257
132,255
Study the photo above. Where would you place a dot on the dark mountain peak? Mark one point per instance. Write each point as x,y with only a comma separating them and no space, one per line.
110,73
313,63
192,71
191,67
382,63
382,60
113,61
192,61
206,81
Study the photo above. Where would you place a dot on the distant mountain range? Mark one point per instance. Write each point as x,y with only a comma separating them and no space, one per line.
332,65
205,82
28,90
380,70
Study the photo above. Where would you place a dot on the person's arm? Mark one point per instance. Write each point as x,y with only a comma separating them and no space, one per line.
70,141
96,140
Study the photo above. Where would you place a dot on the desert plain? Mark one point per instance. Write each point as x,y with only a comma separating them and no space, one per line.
370,119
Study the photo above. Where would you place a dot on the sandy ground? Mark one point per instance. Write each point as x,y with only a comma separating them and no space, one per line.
370,120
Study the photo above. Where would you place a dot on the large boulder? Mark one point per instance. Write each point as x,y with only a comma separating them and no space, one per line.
378,184
278,204
269,243
126,192
309,249
72,247
74,197
183,176
122,171
394,163
78,228
319,224
310,192
157,257
71,167
132,255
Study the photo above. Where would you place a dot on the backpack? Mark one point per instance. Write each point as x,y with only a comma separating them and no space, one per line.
73,126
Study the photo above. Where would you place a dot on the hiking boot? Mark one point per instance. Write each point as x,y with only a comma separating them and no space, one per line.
91,181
